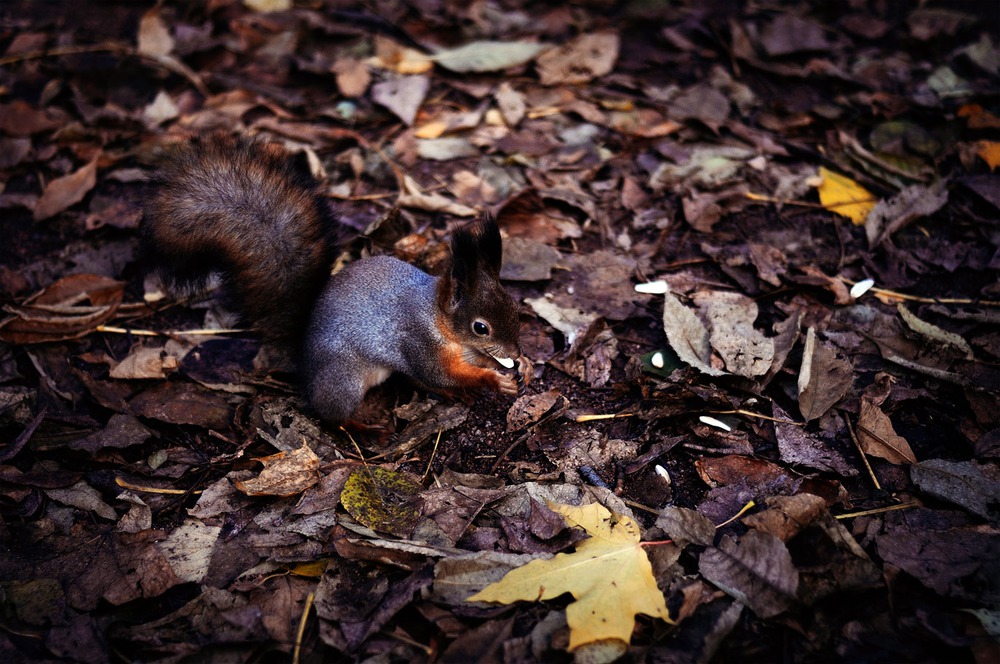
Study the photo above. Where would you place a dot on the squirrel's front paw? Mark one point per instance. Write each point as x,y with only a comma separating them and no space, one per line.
525,371
507,384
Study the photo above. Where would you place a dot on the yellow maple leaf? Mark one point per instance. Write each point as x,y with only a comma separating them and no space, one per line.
844,196
609,575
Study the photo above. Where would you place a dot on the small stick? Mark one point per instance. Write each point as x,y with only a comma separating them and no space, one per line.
302,627
877,510
864,457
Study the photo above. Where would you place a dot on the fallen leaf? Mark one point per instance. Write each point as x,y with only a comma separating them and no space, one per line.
685,525
525,259
788,34
63,192
154,35
529,409
403,95
745,350
786,516
824,378
144,362
799,447
580,60
182,403
268,5
59,312
960,562
609,574
989,151
935,333
568,320
188,549
284,474
511,104
974,486
483,56
382,499
413,197
844,196
756,570
688,336
875,433
915,202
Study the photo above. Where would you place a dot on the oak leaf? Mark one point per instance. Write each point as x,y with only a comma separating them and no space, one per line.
609,575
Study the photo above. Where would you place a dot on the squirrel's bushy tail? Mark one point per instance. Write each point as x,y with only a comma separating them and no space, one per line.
252,213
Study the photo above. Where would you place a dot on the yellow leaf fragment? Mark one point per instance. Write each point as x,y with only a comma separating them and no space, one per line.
989,151
842,195
268,5
433,129
609,575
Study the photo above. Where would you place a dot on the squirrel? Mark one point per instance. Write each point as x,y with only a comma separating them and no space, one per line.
249,211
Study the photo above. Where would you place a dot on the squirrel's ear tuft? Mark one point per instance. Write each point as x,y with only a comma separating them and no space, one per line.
476,250
478,246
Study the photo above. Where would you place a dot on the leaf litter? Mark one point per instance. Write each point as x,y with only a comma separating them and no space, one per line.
165,495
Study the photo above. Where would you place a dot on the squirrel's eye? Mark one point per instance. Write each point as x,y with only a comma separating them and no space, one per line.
480,328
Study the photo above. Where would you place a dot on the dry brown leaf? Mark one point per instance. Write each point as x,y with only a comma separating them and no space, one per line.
403,95
579,61
786,516
529,409
353,77
875,433
824,378
63,192
284,474
756,570
59,312
154,35
744,349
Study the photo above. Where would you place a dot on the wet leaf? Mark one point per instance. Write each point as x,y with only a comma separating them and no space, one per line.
976,487
382,499
756,570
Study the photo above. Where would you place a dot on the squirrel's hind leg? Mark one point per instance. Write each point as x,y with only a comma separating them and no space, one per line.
337,385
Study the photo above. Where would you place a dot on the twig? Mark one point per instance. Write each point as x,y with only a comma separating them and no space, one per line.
125,484
877,510
302,627
743,511
602,416
433,454
890,295
750,413
864,457
110,329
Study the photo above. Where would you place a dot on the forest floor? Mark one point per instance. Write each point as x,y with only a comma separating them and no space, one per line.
783,444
